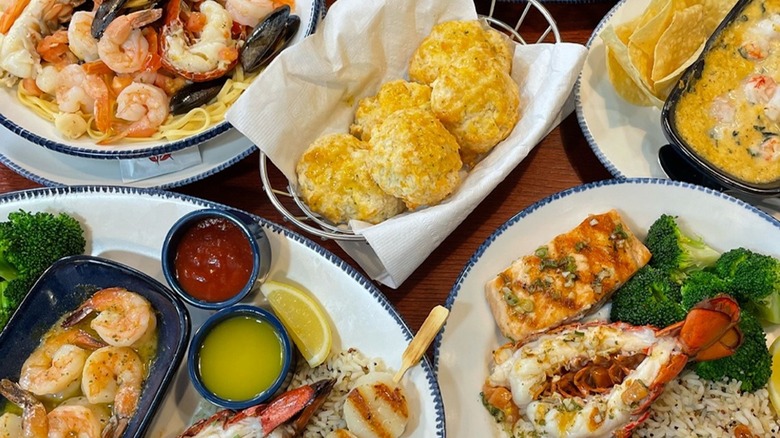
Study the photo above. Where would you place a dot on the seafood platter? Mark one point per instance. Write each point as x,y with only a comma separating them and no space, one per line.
528,357
129,79
105,345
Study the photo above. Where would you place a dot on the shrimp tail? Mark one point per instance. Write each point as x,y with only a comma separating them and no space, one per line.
78,315
15,394
116,426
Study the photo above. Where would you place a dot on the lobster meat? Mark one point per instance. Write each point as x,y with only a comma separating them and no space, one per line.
599,379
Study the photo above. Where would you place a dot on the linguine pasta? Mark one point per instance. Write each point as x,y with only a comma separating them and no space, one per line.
173,128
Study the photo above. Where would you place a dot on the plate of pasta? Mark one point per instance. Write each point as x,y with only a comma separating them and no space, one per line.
131,79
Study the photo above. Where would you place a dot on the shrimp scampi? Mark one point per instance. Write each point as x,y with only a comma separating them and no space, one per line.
114,375
55,366
123,319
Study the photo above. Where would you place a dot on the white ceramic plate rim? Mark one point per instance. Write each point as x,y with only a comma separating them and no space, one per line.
455,406
55,169
167,208
625,154
27,124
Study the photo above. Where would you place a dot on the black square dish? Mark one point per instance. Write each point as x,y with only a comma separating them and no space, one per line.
736,150
65,286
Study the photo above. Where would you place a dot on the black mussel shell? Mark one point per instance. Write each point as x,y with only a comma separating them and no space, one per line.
105,14
268,38
195,94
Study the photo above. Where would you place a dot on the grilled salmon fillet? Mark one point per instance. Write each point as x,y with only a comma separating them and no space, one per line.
567,278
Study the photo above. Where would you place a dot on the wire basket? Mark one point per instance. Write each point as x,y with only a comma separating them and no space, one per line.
526,29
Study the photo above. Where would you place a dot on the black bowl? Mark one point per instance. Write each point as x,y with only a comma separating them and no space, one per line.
686,83
68,283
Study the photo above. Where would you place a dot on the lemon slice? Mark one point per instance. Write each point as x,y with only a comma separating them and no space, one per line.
303,317
774,380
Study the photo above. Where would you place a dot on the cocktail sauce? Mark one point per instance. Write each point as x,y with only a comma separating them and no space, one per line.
213,260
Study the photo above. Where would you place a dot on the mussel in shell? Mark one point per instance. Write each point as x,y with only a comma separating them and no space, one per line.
105,14
195,95
268,38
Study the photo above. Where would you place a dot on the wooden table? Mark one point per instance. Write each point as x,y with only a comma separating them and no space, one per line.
562,160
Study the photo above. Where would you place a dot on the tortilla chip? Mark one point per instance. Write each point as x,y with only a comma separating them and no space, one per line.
714,13
641,44
627,73
663,86
679,42
624,85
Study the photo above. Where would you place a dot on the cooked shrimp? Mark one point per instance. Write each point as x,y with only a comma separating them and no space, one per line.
54,49
28,26
758,38
146,106
759,88
55,367
73,421
206,56
114,375
123,48
124,318
250,12
10,425
34,421
78,91
768,150
80,39
102,412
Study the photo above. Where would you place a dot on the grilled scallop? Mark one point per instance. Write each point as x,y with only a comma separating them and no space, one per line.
376,407
341,433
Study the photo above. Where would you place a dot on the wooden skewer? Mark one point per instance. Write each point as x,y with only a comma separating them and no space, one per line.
422,340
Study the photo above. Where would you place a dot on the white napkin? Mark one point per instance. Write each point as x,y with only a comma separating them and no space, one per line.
137,169
313,88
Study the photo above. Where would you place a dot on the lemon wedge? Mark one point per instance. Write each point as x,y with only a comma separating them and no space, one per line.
774,380
303,317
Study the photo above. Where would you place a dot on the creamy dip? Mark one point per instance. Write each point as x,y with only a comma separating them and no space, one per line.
731,115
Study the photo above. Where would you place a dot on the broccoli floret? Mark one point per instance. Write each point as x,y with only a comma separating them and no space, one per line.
754,279
675,252
701,285
649,297
30,243
12,292
751,364
33,241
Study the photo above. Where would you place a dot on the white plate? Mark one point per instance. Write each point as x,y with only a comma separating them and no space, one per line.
128,225
624,137
25,123
463,350
51,168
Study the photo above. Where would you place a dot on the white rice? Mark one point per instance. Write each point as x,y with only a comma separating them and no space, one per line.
346,367
694,407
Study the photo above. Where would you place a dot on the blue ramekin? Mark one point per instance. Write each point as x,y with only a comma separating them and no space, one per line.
281,381
258,241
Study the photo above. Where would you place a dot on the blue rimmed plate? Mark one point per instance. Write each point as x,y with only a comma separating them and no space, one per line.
463,349
24,122
128,225
625,137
